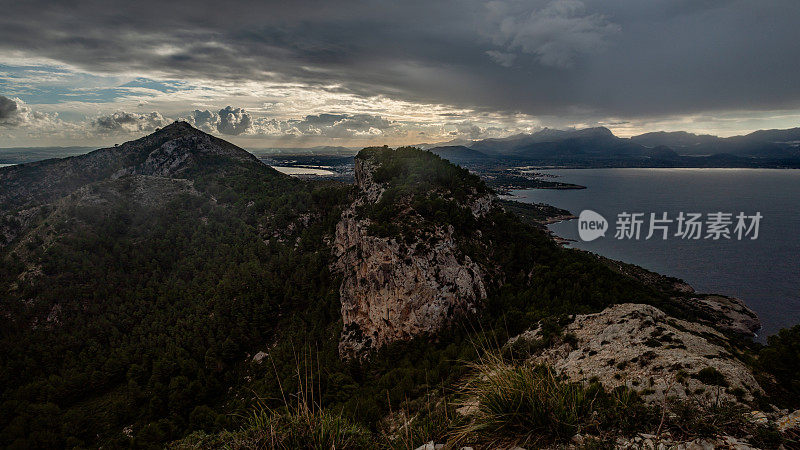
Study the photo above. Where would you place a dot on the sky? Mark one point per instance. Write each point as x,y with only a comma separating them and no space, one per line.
356,73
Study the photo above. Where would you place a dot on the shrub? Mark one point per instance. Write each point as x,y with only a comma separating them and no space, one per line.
431,421
711,376
781,359
309,427
697,417
522,403
302,427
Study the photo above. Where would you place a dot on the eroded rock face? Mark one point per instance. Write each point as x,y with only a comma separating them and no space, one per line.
394,290
641,347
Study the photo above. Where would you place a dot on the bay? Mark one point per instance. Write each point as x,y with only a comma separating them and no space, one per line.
764,272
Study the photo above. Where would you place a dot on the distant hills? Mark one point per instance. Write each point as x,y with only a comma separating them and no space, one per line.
456,153
762,143
21,155
599,147
588,147
319,150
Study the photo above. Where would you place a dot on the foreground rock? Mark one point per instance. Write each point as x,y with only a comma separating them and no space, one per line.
640,442
724,313
639,346
651,442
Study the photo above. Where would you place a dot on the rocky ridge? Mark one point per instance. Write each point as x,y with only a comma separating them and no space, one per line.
395,290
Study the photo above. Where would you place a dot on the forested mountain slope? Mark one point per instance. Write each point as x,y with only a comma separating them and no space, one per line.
132,298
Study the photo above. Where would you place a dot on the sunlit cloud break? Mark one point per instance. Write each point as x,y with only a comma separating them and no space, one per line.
395,73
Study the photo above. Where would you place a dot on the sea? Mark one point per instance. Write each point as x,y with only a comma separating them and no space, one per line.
764,272
304,170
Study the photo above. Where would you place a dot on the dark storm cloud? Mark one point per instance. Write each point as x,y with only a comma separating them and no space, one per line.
8,111
624,58
557,34
122,122
344,125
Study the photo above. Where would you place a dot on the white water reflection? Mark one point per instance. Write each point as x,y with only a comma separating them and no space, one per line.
302,170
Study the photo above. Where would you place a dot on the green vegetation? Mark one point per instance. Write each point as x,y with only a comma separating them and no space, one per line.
524,403
155,310
711,376
533,213
781,359
413,170
502,404
301,426
435,189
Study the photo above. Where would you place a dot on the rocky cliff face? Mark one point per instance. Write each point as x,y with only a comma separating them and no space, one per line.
393,289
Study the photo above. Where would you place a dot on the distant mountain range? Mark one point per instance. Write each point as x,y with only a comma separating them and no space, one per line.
319,150
588,147
21,155
460,153
599,147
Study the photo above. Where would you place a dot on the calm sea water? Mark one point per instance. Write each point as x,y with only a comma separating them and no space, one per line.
302,170
765,272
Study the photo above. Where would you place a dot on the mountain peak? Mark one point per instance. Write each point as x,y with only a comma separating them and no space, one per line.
594,131
176,129
180,137
174,151
178,126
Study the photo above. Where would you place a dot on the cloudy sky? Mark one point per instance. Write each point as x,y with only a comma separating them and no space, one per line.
300,73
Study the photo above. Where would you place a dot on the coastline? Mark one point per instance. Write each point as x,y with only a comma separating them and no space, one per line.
725,312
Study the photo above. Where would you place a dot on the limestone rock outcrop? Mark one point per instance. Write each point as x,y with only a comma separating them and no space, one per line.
393,289
643,348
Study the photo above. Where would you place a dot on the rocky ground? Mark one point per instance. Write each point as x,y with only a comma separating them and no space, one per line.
662,358
639,346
